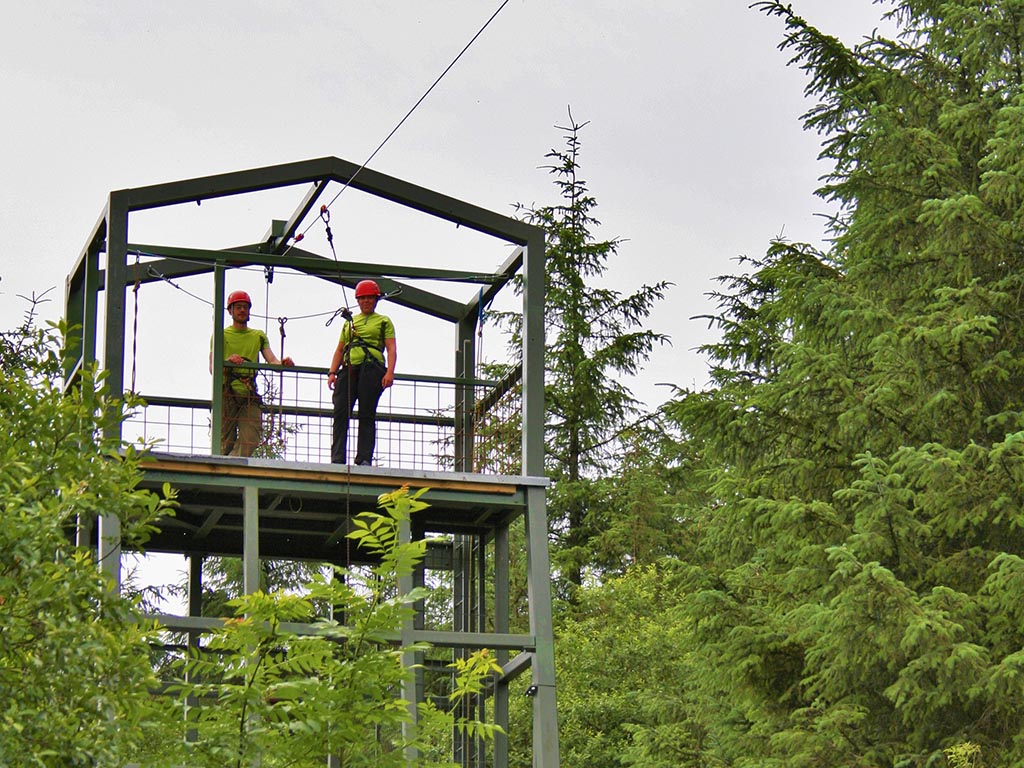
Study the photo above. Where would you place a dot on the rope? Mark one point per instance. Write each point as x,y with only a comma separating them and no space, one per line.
152,272
156,273
280,381
325,217
269,431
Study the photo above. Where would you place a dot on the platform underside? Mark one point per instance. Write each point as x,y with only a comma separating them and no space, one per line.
305,509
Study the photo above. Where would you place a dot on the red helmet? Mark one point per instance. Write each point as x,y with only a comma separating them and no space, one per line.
367,288
238,296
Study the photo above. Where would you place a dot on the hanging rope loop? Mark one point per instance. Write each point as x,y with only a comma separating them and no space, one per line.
345,312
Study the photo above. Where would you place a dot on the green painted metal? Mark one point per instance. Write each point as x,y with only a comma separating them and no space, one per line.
251,540
545,711
534,279
313,264
465,369
90,276
217,353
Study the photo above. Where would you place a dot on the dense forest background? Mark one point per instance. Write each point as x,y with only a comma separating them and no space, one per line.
816,560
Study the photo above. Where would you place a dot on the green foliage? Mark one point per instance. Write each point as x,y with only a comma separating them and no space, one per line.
594,340
74,656
223,580
856,600
624,662
260,689
965,755
378,534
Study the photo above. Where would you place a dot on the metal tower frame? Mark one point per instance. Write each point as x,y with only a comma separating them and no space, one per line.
234,502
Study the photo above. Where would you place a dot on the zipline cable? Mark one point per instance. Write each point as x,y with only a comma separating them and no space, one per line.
402,121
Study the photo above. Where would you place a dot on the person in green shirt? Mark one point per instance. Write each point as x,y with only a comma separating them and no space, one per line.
362,367
242,416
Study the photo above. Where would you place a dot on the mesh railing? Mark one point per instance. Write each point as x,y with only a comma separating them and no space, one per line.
416,423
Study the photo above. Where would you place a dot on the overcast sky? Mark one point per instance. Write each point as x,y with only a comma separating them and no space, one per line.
694,148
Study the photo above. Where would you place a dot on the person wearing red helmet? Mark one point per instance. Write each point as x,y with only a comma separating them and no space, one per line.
362,367
241,417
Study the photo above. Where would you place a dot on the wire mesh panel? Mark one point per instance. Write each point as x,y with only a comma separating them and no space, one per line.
415,423
498,426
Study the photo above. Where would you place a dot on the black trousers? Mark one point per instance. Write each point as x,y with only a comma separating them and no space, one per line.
360,383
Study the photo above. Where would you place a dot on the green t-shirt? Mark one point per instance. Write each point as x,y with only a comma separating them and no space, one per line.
248,343
370,332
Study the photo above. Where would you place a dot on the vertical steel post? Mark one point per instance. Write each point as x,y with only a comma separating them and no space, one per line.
195,608
533,357
465,393
217,352
410,689
545,713
81,306
109,529
502,608
250,539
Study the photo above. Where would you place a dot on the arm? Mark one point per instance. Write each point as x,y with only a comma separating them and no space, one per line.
391,350
232,359
270,357
336,358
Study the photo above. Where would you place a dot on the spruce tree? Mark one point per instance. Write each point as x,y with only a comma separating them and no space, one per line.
594,340
859,600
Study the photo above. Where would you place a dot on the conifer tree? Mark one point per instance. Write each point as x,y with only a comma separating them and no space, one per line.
594,339
859,600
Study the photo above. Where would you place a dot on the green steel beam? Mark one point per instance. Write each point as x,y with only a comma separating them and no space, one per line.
503,276
313,264
280,244
438,639
331,169
343,273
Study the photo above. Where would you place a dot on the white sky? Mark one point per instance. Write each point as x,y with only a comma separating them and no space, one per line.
694,151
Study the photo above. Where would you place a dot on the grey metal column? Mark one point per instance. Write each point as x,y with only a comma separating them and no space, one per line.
195,608
109,540
501,624
217,350
545,713
465,394
406,584
250,539
87,302
90,304
533,358
81,293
